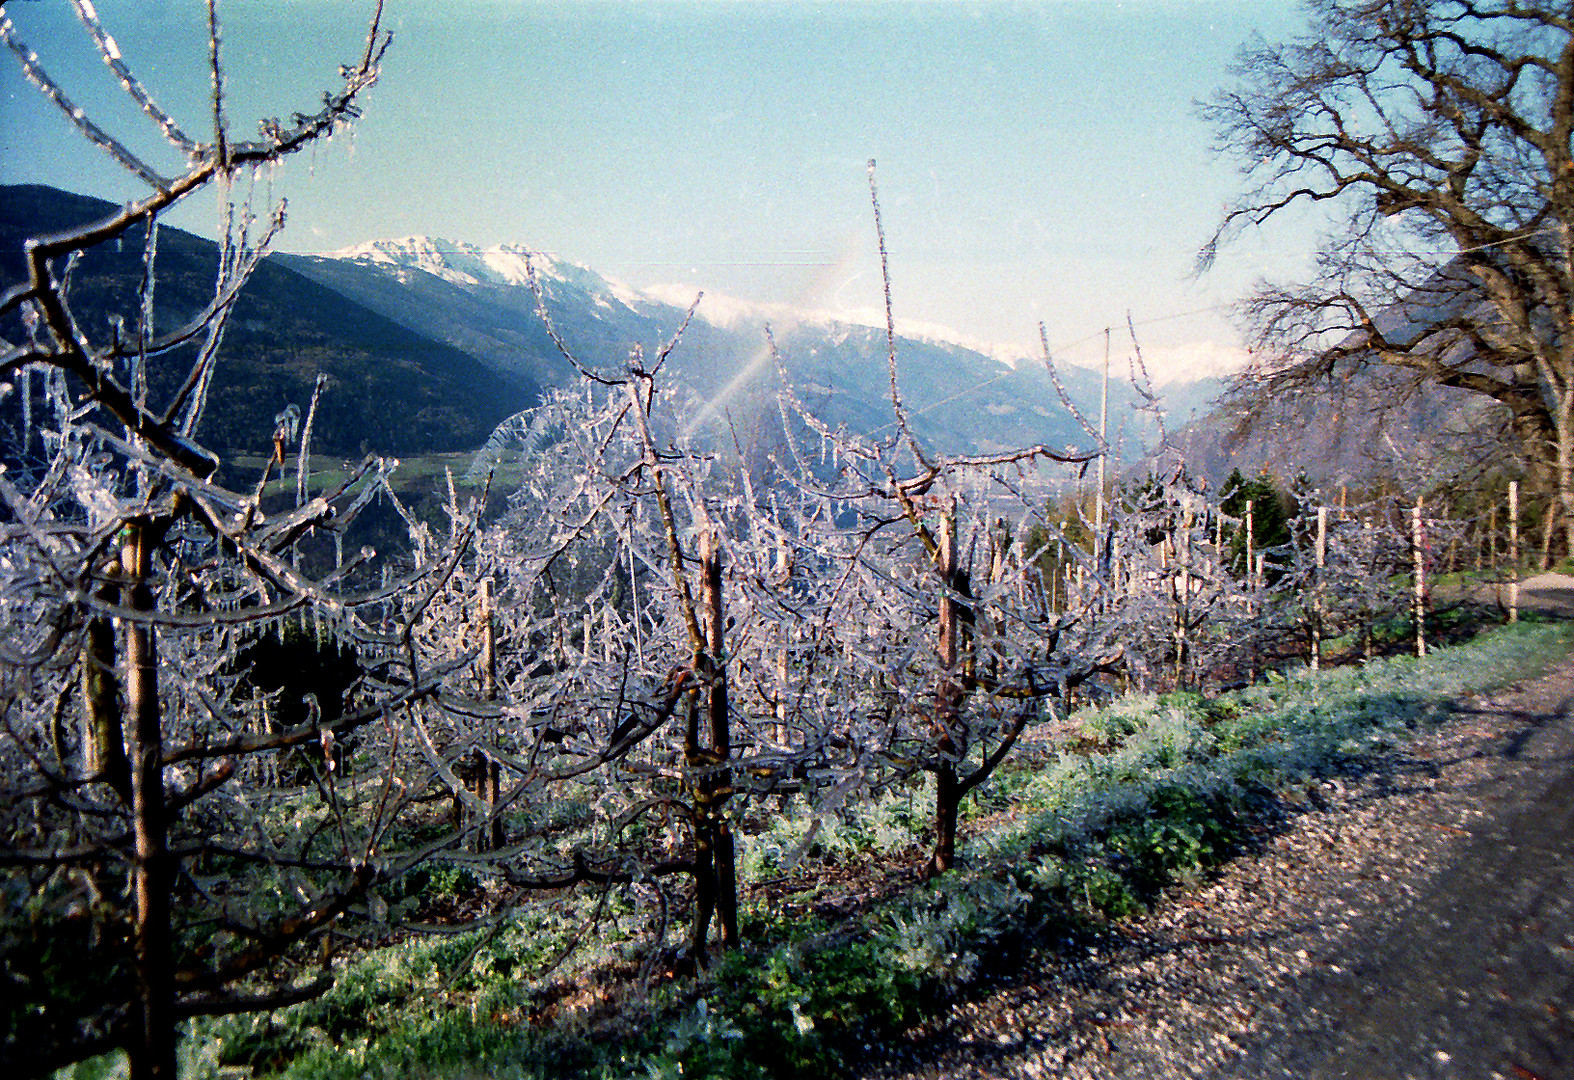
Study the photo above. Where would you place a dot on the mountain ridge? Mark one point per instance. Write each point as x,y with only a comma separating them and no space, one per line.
962,400
429,343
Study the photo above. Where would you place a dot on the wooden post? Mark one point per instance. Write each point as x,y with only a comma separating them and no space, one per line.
1513,551
782,674
1251,543
1256,609
475,783
1183,599
1453,544
1317,589
103,739
1369,547
1098,506
1418,557
783,575
494,769
488,643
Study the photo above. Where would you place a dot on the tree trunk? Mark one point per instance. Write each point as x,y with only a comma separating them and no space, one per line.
715,858
152,1053
704,875
948,700
947,802
1563,511
720,742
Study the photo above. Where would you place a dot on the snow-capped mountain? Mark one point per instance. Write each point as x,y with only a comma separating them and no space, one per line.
468,264
389,390
478,300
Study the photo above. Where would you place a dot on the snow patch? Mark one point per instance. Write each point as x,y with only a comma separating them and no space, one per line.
470,264
1193,361
731,312
506,265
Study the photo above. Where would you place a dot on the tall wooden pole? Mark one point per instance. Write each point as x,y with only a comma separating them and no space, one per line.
1251,544
494,768
1317,597
152,1055
1513,550
1098,505
1183,599
1418,556
1369,550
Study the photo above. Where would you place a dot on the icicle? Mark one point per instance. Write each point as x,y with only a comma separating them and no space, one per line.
27,409
145,330
385,602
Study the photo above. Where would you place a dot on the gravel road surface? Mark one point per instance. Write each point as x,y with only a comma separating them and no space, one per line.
1416,920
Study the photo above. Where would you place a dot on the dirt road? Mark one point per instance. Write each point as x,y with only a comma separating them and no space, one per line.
1478,979
1414,920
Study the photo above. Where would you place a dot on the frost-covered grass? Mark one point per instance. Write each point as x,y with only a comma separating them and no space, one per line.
1158,790
888,822
1180,749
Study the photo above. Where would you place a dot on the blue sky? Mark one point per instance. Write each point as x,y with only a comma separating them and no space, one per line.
1037,161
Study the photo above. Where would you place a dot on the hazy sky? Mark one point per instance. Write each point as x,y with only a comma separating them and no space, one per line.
1037,161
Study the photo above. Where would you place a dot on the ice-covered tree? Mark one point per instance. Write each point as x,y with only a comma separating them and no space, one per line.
152,872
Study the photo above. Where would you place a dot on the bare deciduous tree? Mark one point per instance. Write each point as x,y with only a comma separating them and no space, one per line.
129,582
1437,133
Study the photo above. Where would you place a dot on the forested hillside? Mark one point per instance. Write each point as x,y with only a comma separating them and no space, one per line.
389,390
